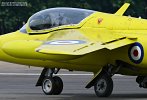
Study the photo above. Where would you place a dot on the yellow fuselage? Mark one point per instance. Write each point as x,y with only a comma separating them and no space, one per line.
20,47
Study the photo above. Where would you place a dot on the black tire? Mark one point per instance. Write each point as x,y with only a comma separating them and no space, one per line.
103,86
48,86
58,84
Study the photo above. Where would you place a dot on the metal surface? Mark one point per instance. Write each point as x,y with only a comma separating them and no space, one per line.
47,85
101,86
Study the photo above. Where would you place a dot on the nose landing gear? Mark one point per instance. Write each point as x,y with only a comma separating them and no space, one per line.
51,85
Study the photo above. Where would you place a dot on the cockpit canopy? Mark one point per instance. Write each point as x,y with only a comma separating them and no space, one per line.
55,17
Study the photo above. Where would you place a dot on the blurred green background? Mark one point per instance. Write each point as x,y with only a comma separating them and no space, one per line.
12,17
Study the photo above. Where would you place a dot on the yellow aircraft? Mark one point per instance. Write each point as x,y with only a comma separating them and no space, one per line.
80,40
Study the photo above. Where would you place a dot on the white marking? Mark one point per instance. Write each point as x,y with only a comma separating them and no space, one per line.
65,42
20,74
37,74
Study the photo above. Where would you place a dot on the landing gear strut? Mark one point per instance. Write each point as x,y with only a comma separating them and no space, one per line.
51,85
102,81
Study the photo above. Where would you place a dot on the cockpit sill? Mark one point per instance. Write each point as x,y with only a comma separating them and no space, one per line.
46,31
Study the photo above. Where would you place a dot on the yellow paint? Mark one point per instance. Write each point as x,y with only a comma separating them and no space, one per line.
122,10
105,41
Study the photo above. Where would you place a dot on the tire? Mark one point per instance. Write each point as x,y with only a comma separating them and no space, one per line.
103,86
48,86
58,84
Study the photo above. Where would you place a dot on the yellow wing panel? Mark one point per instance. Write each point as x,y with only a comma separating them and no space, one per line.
77,42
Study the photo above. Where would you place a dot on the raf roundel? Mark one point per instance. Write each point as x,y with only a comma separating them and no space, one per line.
136,53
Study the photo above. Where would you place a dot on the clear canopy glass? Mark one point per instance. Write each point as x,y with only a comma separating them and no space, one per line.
55,17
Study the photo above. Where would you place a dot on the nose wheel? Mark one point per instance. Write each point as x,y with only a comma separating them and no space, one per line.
52,85
58,85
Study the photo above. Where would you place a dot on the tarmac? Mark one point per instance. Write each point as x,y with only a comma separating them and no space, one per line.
17,82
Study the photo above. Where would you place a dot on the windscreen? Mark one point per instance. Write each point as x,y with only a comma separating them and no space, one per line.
23,29
55,17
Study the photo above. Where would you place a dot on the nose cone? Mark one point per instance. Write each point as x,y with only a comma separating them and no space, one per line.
21,48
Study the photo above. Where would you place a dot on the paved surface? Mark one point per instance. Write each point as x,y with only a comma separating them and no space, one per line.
22,86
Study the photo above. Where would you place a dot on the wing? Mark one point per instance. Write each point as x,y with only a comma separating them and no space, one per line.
77,42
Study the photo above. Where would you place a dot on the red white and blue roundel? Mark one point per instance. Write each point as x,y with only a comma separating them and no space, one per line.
136,53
